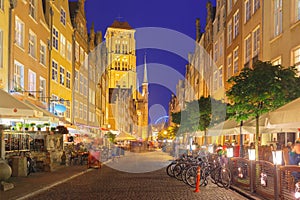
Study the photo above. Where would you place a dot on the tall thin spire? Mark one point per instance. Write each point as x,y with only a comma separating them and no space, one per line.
145,80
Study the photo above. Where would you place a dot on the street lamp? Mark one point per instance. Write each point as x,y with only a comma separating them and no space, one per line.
210,148
251,153
277,160
277,157
230,152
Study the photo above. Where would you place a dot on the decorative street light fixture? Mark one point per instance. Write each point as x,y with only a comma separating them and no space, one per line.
277,157
251,153
210,148
230,152
277,160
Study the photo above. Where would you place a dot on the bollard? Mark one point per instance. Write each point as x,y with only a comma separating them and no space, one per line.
198,180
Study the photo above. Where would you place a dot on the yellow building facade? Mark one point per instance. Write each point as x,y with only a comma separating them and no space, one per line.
28,71
121,65
60,58
4,44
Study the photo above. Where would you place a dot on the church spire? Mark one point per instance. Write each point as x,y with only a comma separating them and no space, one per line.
145,80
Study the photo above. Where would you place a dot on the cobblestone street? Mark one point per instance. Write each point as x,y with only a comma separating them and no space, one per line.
109,183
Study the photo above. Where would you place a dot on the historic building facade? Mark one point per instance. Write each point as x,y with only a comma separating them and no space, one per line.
4,43
60,57
84,67
28,52
121,82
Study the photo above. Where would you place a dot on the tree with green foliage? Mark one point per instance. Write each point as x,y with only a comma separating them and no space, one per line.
111,137
199,115
261,89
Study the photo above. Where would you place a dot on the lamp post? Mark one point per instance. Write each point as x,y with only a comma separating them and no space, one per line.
277,160
251,153
230,152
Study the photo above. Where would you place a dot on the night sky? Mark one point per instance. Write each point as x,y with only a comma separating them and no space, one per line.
173,27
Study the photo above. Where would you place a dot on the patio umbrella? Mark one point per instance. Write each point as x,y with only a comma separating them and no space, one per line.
124,136
285,118
10,107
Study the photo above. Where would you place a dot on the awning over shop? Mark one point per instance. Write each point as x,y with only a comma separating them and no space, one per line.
10,107
232,127
48,116
285,118
124,136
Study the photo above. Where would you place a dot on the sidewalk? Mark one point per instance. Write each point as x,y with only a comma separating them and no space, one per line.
24,186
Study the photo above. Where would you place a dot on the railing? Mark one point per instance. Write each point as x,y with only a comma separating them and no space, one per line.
269,181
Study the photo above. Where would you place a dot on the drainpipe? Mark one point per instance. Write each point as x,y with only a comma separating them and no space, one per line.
13,4
49,59
73,74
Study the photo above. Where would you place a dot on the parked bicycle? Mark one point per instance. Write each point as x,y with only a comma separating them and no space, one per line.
30,164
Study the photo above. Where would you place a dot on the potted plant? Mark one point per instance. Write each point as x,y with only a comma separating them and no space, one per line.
47,126
19,126
26,126
32,125
39,126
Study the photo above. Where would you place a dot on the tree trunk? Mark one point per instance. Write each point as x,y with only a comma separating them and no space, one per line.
257,137
241,140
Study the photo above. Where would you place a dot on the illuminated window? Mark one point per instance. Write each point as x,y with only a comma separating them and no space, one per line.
236,18
247,48
229,6
69,51
235,60
54,71
62,45
229,33
256,41
62,75
19,76
32,44
32,8
55,38
31,81
220,76
76,51
296,59
256,5
19,33
2,4
229,66
43,53
42,89
247,10
277,17
277,61
63,16
68,80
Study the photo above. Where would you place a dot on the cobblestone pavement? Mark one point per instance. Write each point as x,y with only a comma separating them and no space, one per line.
107,183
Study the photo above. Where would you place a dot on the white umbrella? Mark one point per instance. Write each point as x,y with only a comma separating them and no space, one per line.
11,107
285,118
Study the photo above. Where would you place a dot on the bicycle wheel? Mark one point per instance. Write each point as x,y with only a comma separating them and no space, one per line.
170,169
183,174
225,176
191,177
177,171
